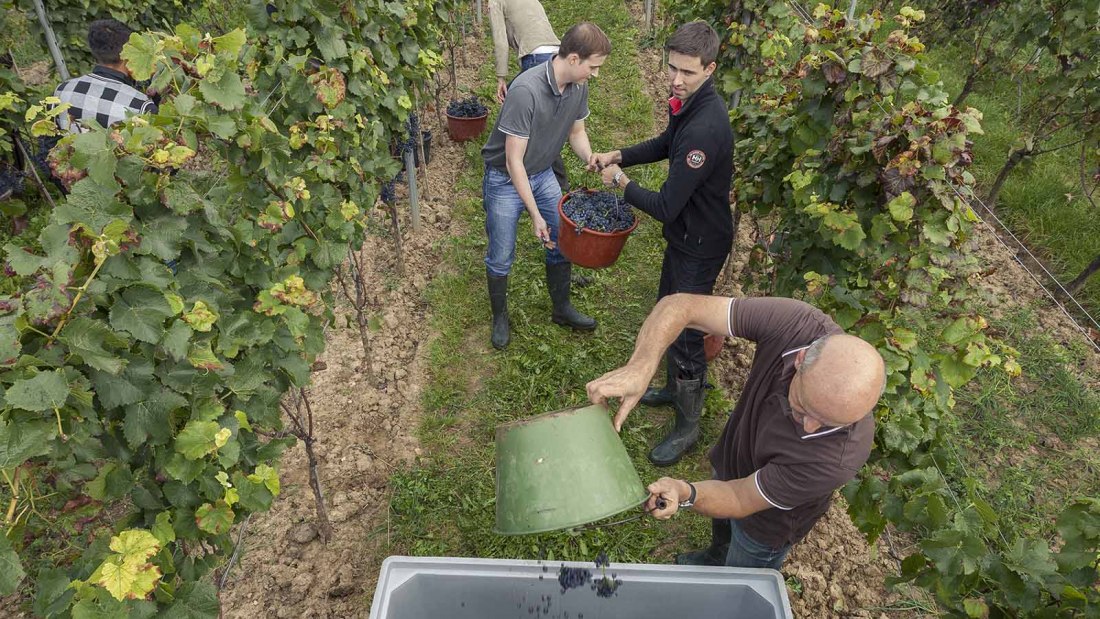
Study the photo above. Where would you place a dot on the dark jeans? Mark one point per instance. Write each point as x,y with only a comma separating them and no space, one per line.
526,62
745,551
683,273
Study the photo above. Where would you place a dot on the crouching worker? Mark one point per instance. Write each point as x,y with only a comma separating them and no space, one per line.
546,105
802,427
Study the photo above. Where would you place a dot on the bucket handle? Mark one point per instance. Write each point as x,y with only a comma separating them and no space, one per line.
662,502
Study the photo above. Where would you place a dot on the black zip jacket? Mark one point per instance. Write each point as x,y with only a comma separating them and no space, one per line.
693,203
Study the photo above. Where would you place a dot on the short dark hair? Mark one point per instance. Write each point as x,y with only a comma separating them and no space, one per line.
697,39
106,38
585,40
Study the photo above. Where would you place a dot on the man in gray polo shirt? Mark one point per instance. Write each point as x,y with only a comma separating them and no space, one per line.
546,106
802,427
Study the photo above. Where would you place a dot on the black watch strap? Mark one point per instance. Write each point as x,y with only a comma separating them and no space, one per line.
691,499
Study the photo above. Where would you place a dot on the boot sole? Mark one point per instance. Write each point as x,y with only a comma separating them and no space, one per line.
564,323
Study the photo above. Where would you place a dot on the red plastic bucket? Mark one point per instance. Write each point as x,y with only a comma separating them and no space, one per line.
588,248
462,128
712,345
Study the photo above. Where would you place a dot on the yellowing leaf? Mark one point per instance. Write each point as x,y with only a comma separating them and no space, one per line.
201,317
222,437
267,476
230,42
127,580
135,544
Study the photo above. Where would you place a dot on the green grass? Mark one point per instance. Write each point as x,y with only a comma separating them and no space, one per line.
1042,201
445,506
1029,442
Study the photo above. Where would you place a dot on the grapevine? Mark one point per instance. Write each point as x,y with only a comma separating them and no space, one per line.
156,391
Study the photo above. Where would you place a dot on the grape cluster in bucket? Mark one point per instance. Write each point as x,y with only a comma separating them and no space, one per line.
600,211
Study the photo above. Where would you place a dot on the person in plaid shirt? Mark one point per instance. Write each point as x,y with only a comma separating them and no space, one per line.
108,94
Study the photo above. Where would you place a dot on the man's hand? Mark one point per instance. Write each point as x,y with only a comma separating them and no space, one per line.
666,490
608,175
502,89
542,231
627,383
599,161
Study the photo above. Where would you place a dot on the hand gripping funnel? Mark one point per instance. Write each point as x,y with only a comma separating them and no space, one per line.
560,470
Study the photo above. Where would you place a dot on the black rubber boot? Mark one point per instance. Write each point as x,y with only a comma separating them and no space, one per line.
558,282
688,406
715,554
498,301
662,396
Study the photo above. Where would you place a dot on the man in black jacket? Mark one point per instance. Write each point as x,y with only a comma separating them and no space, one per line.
693,204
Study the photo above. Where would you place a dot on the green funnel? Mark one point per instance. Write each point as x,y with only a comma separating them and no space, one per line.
561,470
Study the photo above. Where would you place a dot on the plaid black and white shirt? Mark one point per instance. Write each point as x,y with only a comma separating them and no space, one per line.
104,95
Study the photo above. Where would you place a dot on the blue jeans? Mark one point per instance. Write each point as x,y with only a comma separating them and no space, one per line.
503,208
746,552
530,60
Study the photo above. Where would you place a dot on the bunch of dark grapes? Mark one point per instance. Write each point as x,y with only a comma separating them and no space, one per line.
573,577
11,181
467,108
412,135
607,586
389,195
601,211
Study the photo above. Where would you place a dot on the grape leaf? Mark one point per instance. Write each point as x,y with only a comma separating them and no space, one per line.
182,198
230,43
95,152
197,439
93,205
135,544
176,340
149,419
227,93
90,340
53,593
11,568
163,530
203,358
22,261
194,600
268,476
901,207
127,579
141,312
44,392
216,520
163,236
140,54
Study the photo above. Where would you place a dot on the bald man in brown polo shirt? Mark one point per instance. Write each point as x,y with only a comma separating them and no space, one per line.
802,427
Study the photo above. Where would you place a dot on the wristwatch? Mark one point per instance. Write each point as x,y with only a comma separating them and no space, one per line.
615,179
691,499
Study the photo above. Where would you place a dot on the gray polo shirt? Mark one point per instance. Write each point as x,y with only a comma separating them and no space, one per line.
540,113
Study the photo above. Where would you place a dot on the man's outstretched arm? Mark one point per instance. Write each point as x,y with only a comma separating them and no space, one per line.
672,315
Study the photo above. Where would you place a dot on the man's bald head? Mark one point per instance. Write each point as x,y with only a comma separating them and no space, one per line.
842,378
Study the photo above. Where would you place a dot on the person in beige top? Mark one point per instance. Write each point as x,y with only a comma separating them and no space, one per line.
520,25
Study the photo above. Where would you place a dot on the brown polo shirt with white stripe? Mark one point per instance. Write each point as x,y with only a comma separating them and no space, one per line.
796,472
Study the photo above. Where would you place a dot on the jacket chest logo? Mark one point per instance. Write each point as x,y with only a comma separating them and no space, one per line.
695,159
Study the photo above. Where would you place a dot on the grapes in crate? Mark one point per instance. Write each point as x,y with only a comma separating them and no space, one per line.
601,211
467,108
